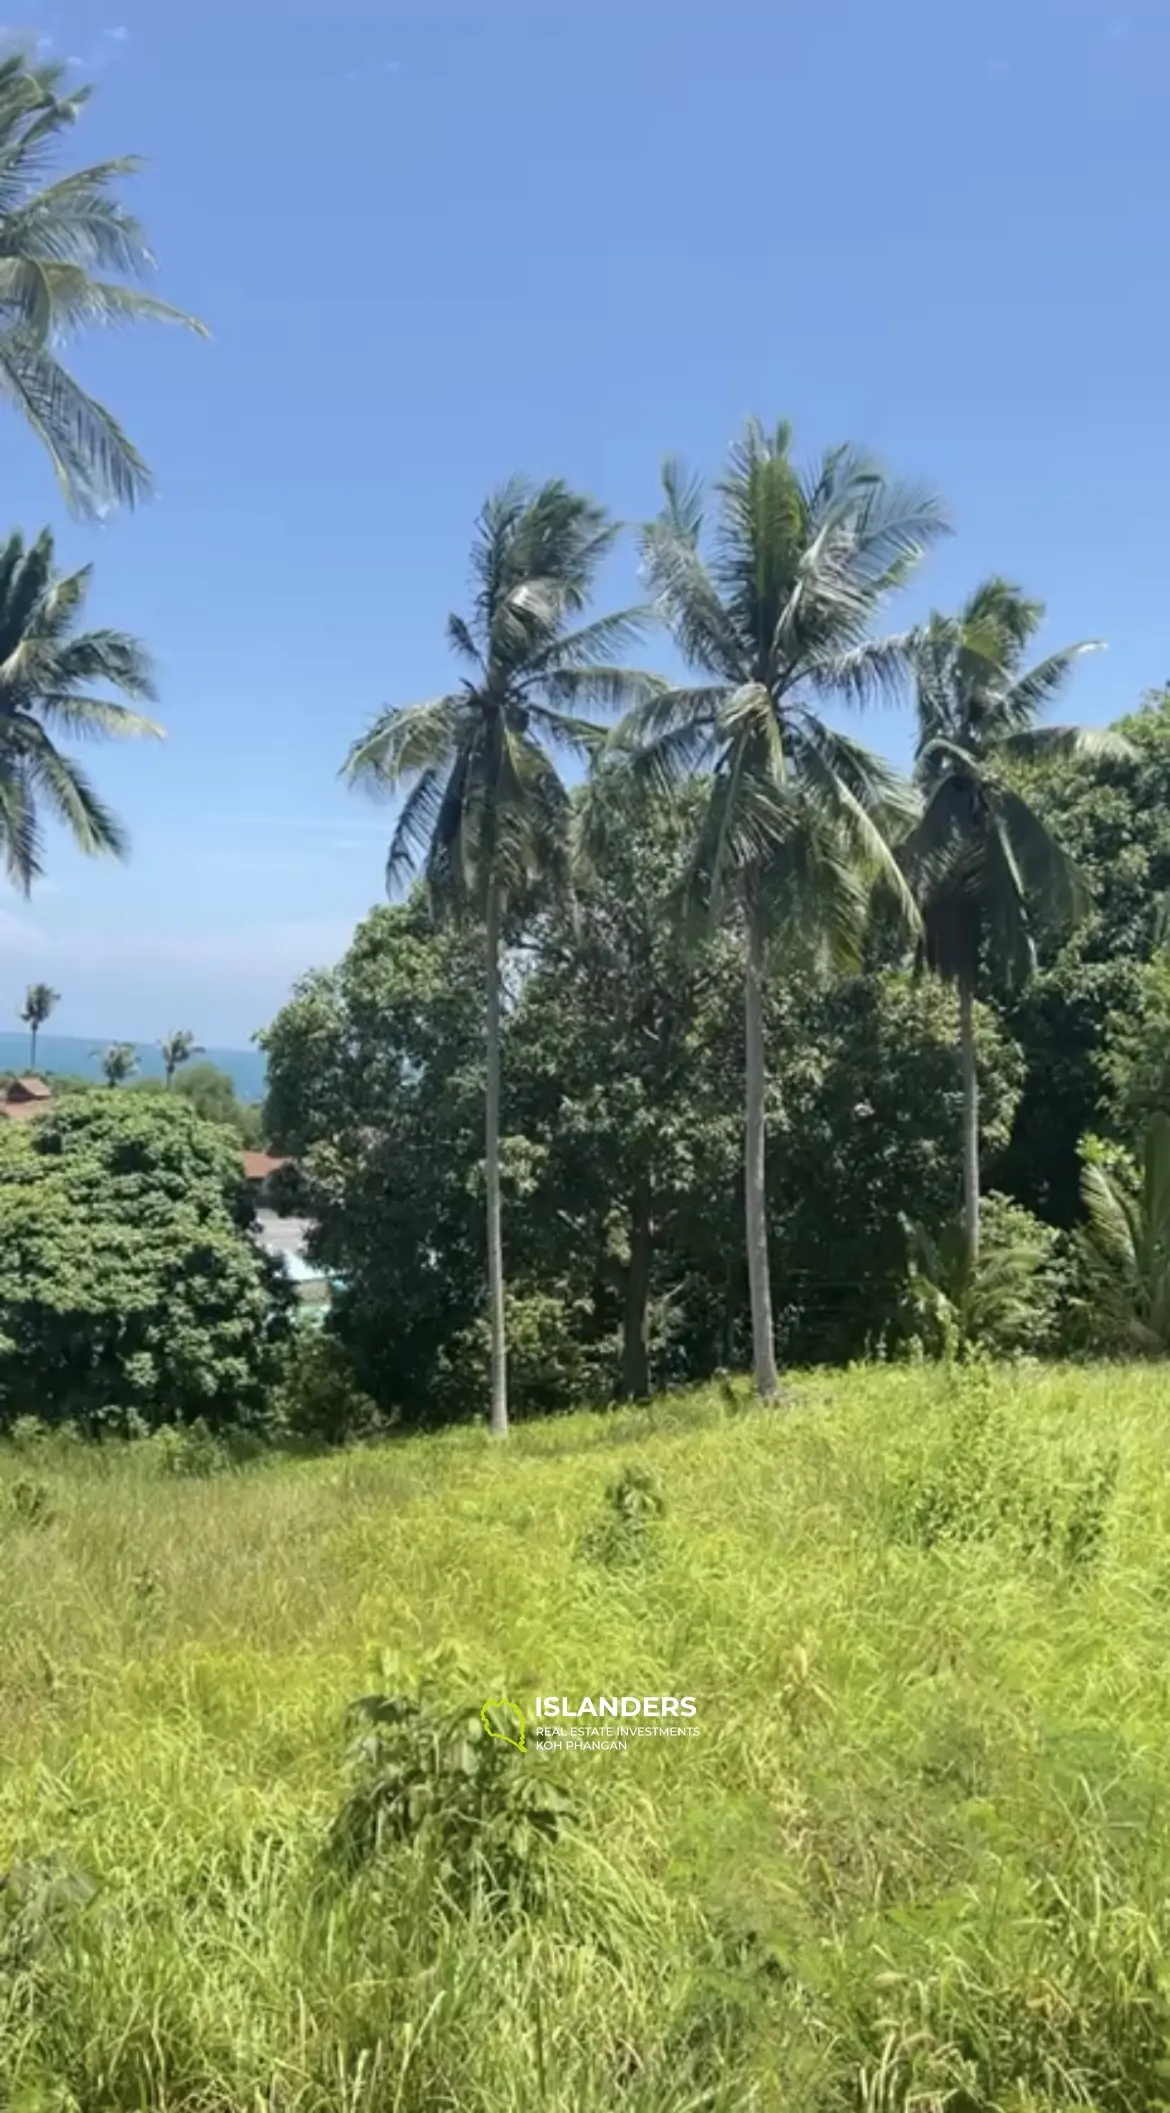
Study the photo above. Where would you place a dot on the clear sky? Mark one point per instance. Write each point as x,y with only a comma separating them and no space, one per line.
441,240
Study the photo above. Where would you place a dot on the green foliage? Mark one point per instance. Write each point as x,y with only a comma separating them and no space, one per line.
987,870
52,679
318,1398
1009,1303
1090,1022
432,1778
57,243
1125,1243
634,1504
212,1094
119,1062
977,1476
130,1293
552,1363
918,1852
177,1049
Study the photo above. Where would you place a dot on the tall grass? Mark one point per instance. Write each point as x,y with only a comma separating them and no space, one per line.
919,1855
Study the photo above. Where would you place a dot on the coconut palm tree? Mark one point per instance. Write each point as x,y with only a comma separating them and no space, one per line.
56,242
39,1001
986,871
119,1062
50,677
776,620
1125,1240
177,1049
485,812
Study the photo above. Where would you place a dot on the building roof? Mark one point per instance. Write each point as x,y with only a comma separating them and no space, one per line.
25,1097
259,1165
28,1089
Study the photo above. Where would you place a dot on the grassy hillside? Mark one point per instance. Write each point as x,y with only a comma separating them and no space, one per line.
918,1854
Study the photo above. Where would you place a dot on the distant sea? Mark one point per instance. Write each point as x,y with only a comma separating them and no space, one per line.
75,1055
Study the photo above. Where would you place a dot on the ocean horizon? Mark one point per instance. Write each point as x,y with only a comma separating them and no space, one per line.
80,1057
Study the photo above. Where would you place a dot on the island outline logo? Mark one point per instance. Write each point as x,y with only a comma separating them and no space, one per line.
501,1702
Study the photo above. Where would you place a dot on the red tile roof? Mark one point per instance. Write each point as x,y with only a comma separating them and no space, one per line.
259,1165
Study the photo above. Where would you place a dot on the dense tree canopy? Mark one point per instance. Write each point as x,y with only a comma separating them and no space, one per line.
130,1291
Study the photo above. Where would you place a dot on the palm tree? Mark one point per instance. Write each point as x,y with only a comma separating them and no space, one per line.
795,829
985,869
119,1062
48,670
39,1001
55,240
177,1049
1126,1241
485,812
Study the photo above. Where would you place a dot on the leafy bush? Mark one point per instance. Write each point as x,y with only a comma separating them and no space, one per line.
131,1294
1009,1303
551,1363
431,1778
318,1397
634,1504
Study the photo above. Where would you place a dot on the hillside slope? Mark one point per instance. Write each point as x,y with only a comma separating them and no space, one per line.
917,1853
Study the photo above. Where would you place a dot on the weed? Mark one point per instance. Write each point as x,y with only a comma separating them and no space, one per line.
633,1506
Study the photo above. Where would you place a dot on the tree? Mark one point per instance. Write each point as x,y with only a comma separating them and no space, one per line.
375,1087
39,1001
1094,1020
212,1094
986,870
485,812
621,1050
54,243
1126,1239
130,1289
795,828
48,673
177,1049
119,1062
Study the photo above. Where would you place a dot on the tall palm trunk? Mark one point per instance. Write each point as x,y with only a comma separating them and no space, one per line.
755,1154
970,1115
32,1061
636,1325
495,1239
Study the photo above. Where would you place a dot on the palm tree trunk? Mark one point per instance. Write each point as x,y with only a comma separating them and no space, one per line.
970,1115
495,1241
32,1061
636,1327
755,1196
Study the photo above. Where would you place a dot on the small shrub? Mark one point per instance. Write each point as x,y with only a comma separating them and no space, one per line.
29,1501
625,1534
190,1450
481,1815
319,1399
1009,1304
552,1363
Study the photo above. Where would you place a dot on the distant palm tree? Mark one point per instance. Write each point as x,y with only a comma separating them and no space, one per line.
53,241
39,1001
178,1048
119,1062
795,830
984,866
486,811
47,675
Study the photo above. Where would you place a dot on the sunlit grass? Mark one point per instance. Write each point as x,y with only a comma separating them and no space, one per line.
918,1855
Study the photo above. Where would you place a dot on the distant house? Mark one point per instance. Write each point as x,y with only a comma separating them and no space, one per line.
259,1169
25,1097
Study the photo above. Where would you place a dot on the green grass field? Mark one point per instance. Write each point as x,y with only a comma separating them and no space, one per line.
919,1855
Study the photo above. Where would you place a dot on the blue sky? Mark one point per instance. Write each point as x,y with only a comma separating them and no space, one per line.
440,241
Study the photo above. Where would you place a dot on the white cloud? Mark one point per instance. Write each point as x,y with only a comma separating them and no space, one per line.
120,35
